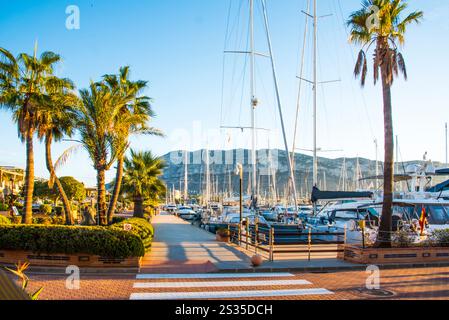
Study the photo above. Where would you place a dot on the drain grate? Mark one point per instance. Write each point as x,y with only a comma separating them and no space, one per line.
378,293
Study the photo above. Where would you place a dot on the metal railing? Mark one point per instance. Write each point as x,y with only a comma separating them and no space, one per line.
273,241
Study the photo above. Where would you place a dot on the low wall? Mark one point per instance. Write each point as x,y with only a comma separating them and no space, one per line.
64,260
357,254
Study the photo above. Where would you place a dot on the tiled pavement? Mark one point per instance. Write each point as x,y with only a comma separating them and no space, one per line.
428,283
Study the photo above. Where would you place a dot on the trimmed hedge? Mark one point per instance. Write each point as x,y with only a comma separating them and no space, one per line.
141,228
105,242
4,220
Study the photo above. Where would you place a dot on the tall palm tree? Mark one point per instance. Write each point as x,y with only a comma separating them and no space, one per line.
22,91
95,121
132,119
383,31
54,124
141,179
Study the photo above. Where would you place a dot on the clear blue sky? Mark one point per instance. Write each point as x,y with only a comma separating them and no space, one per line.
178,47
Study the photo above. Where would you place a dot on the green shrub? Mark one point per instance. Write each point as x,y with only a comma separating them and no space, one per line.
59,211
58,220
16,220
105,242
4,207
45,209
18,205
440,238
116,220
4,220
402,239
42,220
141,228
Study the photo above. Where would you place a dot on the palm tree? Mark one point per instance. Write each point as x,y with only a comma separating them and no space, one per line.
132,119
95,121
385,34
141,179
22,91
56,122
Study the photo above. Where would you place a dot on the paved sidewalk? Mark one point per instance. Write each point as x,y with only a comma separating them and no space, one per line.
179,247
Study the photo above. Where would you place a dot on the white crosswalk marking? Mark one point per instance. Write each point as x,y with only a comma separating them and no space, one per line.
213,276
214,284
227,294
256,283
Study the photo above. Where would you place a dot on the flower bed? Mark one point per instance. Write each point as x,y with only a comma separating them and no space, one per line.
357,254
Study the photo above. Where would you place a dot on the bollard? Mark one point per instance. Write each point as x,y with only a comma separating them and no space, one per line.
345,234
256,236
247,234
310,242
240,234
271,244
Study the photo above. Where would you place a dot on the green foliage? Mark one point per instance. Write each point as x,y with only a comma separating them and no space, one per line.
73,188
440,238
142,176
403,239
20,273
41,190
141,228
16,220
59,211
105,242
45,209
4,207
4,220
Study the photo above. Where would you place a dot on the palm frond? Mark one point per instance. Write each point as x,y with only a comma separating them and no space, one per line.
62,160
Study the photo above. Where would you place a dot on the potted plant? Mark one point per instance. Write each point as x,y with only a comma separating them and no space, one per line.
223,235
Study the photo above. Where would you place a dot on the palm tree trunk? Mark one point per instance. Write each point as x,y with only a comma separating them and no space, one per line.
385,228
29,179
138,207
116,192
101,197
51,170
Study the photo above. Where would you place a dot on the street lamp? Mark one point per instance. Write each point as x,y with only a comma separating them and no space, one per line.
239,172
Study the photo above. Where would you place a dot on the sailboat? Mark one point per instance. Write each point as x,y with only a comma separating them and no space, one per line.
252,54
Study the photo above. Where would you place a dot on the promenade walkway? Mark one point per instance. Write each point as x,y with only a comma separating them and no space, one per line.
179,247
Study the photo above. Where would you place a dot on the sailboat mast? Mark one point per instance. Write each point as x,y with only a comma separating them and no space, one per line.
186,177
207,178
253,104
447,163
278,99
315,90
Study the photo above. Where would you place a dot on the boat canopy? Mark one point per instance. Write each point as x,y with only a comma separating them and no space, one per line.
439,187
317,195
443,172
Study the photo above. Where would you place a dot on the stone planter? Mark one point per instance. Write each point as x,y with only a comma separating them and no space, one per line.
221,238
357,254
64,260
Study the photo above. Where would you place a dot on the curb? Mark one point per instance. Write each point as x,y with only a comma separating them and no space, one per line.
333,269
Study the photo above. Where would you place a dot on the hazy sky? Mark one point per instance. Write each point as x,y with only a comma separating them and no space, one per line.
177,45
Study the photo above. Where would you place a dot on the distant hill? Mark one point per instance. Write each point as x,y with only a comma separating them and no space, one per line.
331,172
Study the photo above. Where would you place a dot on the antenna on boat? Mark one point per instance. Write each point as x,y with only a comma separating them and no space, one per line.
447,163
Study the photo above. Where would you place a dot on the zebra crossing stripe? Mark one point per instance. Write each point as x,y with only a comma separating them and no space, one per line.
212,276
216,284
228,294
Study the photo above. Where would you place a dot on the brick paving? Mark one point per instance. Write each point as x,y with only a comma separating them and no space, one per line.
429,283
